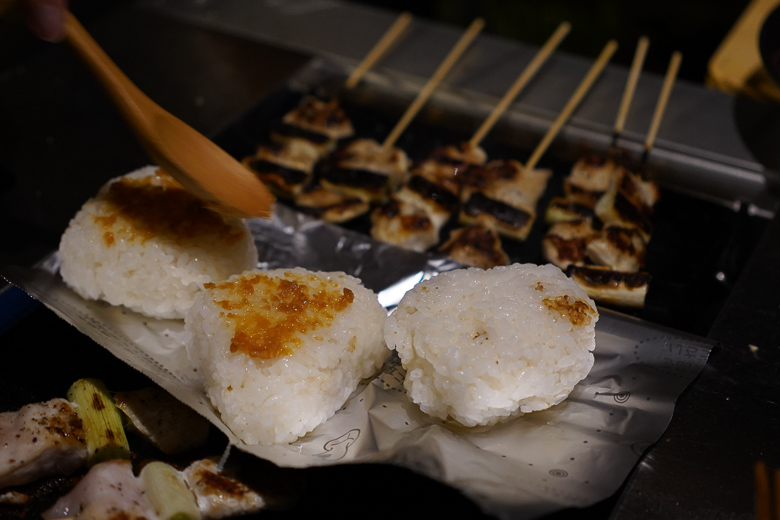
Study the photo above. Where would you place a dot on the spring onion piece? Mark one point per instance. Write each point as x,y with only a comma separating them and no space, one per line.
167,493
95,407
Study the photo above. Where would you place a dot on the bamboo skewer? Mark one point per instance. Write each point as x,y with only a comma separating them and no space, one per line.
764,492
582,89
663,98
522,80
628,93
445,66
385,43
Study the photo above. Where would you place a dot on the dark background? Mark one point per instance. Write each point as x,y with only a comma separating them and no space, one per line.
694,27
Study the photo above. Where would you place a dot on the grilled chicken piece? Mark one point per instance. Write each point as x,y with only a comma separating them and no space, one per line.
589,179
442,174
218,495
611,287
416,213
477,245
329,205
565,243
623,204
285,168
108,491
366,185
504,193
461,154
369,155
322,123
606,263
446,164
438,202
592,176
404,224
645,193
617,195
295,154
323,116
503,180
578,243
365,169
562,209
40,439
617,247
511,217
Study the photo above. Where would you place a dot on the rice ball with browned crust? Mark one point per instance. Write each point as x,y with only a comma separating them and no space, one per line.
146,243
281,350
482,346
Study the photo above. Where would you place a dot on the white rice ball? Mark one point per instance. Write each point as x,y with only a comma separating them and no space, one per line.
482,346
280,351
146,243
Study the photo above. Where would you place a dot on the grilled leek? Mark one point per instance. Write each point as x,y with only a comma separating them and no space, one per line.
168,493
95,407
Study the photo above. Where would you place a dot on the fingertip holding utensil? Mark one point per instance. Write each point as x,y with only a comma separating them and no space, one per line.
198,164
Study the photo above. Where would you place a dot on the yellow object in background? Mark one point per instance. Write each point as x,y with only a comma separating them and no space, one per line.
736,67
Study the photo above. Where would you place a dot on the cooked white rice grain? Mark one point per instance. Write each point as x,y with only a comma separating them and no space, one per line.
146,243
281,350
482,346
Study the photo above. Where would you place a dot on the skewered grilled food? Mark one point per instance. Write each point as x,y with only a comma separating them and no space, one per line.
565,243
404,224
563,209
600,230
285,168
477,245
438,202
321,123
590,177
330,205
461,154
628,202
446,164
497,178
504,193
578,243
611,287
416,213
617,247
365,169
508,219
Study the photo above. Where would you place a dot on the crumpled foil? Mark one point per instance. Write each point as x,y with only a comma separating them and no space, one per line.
571,455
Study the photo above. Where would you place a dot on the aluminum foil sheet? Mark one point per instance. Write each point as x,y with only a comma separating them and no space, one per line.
572,455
